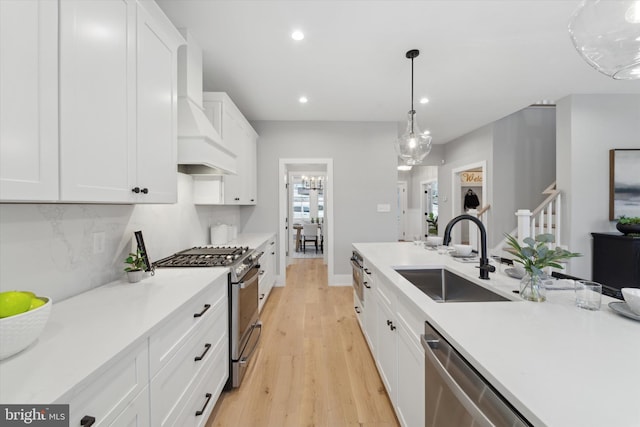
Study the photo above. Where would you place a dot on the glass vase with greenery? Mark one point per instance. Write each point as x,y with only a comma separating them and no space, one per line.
535,255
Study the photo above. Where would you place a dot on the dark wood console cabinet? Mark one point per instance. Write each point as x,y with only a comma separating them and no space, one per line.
616,260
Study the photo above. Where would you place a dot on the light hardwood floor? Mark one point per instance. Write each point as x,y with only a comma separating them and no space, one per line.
313,366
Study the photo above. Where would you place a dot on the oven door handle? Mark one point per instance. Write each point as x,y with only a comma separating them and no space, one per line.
243,360
247,283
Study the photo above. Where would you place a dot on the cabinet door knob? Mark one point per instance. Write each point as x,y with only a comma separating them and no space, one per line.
206,307
253,200
201,411
388,322
136,190
392,327
87,421
144,190
207,346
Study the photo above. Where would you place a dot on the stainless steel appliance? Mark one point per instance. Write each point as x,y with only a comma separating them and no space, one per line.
357,267
458,396
244,325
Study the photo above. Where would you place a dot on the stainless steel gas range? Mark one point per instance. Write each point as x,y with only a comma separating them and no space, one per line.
244,325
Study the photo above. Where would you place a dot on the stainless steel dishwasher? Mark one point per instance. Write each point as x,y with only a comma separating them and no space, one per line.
458,396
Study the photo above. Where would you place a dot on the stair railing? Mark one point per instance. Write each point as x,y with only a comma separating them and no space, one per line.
474,232
544,219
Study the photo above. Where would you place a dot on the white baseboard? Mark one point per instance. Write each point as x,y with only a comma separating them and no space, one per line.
340,280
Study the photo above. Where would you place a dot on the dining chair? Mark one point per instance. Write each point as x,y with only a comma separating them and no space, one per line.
309,234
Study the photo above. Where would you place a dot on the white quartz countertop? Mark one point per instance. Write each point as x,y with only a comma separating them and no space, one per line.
88,330
252,240
559,365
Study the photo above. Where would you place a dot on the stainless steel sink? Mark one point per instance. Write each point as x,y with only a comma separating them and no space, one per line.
444,286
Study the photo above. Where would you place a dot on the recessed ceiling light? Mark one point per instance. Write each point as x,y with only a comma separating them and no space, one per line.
424,100
303,100
297,35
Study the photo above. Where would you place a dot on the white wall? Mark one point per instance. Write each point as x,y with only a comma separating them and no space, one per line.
48,248
414,177
588,127
364,167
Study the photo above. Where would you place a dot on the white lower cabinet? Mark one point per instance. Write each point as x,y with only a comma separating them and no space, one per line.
410,397
192,345
182,364
392,327
109,395
136,414
387,352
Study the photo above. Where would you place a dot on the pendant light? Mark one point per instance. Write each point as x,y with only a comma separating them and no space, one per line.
607,35
413,146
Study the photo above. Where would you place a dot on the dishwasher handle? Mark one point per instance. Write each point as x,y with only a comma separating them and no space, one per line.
429,344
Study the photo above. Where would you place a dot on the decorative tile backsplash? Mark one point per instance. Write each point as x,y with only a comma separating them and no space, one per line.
61,250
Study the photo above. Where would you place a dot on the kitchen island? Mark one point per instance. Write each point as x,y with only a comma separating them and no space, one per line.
557,364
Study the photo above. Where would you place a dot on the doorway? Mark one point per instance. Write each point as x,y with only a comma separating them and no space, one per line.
306,207
429,207
470,178
288,170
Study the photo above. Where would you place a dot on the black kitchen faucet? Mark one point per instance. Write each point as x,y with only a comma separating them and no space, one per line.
485,267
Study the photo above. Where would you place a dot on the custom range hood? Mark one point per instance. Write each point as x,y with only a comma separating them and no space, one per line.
201,150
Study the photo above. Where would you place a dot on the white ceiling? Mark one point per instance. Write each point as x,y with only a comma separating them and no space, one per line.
479,60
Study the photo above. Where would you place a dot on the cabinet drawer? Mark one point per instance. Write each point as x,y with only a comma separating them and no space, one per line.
203,394
136,414
108,394
385,293
177,378
175,331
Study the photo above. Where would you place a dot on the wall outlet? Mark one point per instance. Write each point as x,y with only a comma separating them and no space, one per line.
384,208
98,242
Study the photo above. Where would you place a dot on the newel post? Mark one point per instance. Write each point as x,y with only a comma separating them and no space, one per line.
524,224
473,230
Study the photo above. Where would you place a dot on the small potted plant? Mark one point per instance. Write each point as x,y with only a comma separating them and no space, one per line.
136,266
629,225
534,256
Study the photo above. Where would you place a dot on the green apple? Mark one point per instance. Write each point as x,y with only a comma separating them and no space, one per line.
14,302
31,294
37,302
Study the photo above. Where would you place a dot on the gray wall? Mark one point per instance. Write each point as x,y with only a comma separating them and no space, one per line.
519,151
471,148
364,165
524,159
588,127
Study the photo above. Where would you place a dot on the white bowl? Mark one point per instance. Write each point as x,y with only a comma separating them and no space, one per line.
20,331
463,250
434,240
632,297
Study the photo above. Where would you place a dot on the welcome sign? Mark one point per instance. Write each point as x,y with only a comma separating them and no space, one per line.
471,178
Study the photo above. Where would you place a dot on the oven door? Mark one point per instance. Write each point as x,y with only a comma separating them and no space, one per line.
244,310
358,279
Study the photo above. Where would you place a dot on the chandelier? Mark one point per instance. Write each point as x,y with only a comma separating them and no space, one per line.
606,33
312,183
414,145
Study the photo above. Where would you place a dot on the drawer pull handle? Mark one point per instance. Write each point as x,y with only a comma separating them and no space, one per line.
261,296
87,420
366,286
206,307
201,411
357,310
207,346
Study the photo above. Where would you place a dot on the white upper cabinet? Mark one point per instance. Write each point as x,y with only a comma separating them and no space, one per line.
239,136
156,111
28,100
118,81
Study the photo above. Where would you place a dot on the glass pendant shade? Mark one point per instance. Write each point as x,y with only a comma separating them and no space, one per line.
606,33
413,146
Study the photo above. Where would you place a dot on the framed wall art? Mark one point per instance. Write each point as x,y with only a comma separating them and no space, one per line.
624,183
